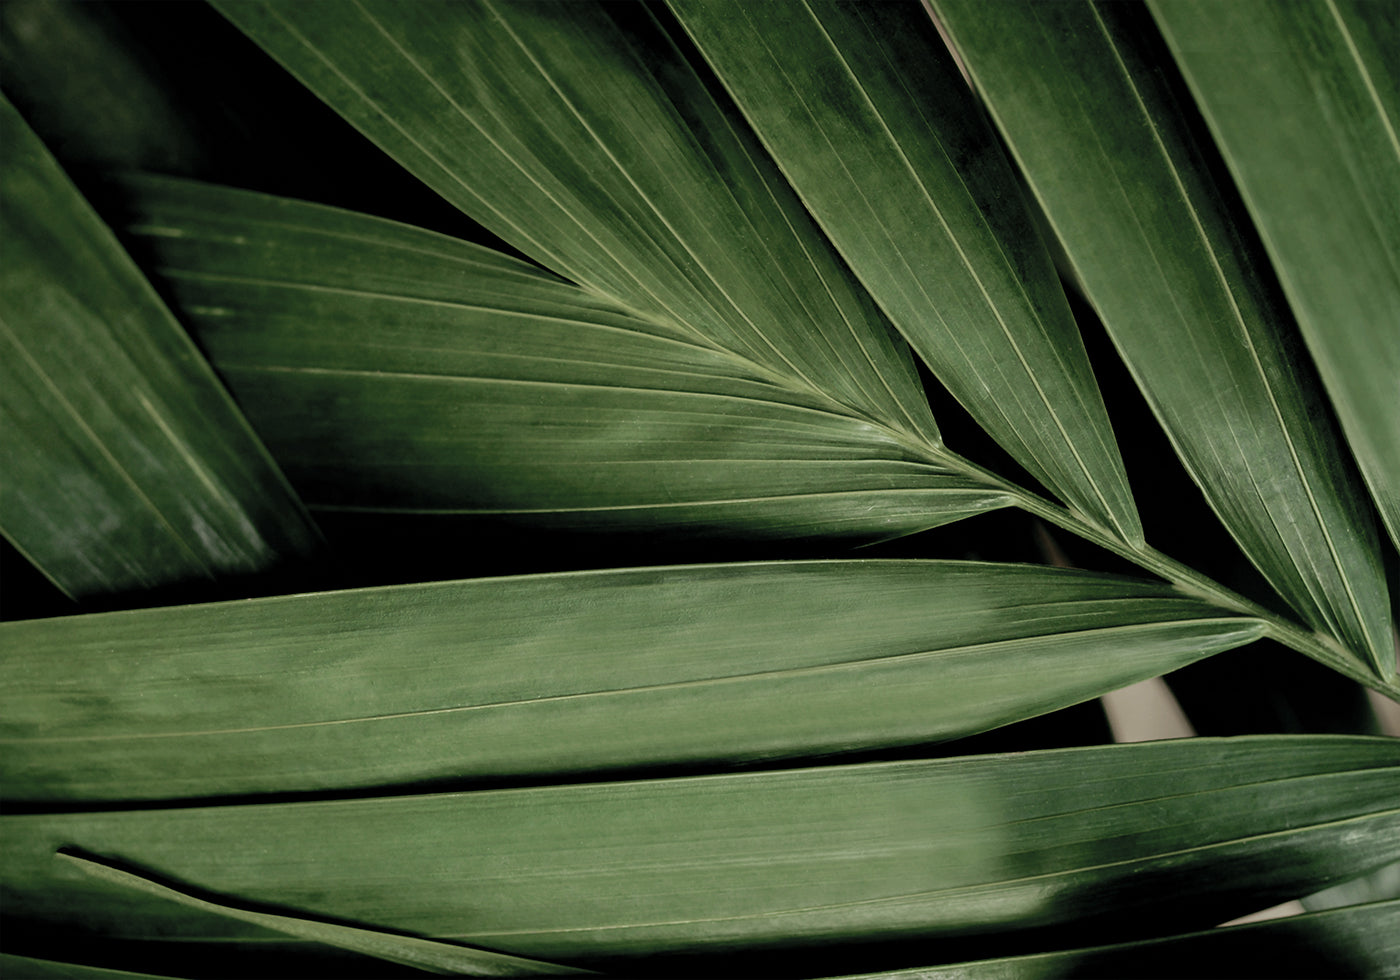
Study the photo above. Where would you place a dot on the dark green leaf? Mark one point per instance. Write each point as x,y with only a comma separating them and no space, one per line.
1304,99
583,137
1180,834
127,466
1189,306
394,369
557,674
866,114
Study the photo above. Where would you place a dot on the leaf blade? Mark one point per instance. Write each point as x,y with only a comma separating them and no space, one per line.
543,676
393,369
668,208
129,465
617,870
432,957
1325,76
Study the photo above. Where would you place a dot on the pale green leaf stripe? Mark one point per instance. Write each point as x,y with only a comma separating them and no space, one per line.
547,675
866,114
1304,101
393,369
580,135
127,466
1195,830
424,954
1361,941
1107,153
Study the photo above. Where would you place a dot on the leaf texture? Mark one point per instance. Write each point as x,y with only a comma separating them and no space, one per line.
394,369
127,464
1304,102
547,675
864,111
579,134
1188,305
1196,830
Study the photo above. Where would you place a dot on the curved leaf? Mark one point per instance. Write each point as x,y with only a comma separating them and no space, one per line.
1108,154
864,111
1304,101
547,675
127,466
394,369
1195,830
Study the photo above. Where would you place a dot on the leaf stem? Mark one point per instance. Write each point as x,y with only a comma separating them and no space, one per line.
1319,647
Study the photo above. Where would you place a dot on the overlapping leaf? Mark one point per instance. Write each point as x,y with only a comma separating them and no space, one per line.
554,674
390,368
583,137
862,107
1191,309
1304,102
1197,830
127,466
424,954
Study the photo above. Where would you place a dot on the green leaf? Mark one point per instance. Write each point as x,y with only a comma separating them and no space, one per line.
1188,832
1112,161
548,675
394,369
432,957
866,114
127,466
579,134
1361,941
1304,101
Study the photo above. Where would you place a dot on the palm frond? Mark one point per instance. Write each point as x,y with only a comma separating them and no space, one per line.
393,369
1189,306
868,117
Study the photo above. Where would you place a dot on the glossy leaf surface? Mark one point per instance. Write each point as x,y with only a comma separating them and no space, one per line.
547,675
866,114
1185,299
394,369
1195,830
1304,102
127,466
